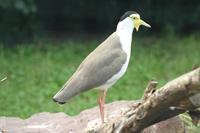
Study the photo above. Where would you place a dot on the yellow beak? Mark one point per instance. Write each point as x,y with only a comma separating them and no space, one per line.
139,22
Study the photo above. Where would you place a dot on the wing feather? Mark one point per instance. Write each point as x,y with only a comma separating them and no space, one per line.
97,68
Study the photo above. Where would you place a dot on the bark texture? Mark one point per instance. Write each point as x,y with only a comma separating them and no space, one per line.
61,123
177,96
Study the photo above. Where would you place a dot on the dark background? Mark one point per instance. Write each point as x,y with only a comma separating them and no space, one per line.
25,19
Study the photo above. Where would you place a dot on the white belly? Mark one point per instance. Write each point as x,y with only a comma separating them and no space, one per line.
125,39
115,77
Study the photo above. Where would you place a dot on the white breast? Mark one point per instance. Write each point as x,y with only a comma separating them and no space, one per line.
126,46
125,34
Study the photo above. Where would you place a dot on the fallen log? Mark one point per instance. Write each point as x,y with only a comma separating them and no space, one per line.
177,96
46,122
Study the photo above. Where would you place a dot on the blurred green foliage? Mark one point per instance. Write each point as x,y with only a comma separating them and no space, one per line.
21,19
35,72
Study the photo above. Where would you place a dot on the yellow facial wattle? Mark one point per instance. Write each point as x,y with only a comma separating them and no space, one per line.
138,22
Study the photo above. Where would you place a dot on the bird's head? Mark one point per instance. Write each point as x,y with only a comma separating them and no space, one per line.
134,18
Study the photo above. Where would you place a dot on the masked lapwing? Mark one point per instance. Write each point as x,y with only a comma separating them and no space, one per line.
105,65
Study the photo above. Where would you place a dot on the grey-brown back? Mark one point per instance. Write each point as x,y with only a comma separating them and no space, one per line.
97,68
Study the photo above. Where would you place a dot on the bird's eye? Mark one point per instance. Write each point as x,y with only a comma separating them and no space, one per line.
134,17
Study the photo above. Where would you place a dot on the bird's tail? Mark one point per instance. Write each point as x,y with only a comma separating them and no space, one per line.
69,90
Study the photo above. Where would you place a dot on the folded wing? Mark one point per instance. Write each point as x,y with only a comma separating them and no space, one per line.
97,68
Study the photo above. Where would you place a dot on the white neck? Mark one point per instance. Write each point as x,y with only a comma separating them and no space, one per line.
124,31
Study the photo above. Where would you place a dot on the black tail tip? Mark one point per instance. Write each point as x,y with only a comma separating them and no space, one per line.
58,101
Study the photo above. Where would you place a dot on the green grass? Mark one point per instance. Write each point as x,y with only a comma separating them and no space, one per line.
35,72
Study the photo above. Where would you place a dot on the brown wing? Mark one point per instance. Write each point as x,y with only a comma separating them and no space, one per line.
98,67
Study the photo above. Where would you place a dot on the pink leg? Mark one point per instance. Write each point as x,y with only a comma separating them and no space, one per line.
101,102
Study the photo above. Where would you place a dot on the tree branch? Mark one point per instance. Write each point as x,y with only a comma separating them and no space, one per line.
176,97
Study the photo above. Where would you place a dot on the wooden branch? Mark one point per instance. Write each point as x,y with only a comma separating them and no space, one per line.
177,96
150,89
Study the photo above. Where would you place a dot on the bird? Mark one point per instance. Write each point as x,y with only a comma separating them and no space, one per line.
105,65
